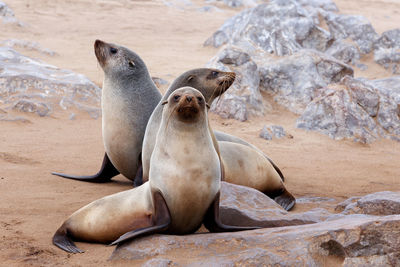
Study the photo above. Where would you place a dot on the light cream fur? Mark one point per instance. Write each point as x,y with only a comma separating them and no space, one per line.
185,166
246,166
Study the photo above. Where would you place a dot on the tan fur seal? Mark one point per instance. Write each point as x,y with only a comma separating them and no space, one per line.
246,166
182,193
210,82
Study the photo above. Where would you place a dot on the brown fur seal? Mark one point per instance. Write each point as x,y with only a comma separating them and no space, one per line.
246,166
210,82
182,193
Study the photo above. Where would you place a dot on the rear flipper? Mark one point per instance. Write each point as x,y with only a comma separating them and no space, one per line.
213,222
63,240
106,172
161,219
283,198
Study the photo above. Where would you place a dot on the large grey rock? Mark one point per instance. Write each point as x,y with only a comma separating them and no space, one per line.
260,210
295,80
352,241
387,50
336,115
33,86
279,27
357,28
344,51
361,110
380,203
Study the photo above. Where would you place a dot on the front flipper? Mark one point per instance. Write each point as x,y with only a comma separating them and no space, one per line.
213,223
161,220
106,172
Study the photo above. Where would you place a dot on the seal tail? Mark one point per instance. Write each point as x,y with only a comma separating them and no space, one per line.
62,240
283,197
106,172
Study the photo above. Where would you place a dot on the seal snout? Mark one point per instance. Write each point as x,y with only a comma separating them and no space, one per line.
226,80
99,50
189,102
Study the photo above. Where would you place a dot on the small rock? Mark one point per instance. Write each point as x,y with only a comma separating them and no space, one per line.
209,9
273,130
265,133
24,105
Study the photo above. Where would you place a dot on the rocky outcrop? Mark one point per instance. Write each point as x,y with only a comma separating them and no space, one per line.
28,85
350,241
358,109
280,48
366,232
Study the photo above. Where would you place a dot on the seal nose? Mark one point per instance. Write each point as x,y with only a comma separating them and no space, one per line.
189,98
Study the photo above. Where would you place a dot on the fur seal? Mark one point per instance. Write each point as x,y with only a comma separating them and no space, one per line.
182,193
221,136
246,166
129,96
210,82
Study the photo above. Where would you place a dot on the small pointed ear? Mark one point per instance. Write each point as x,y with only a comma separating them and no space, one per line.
207,105
165,102
191,77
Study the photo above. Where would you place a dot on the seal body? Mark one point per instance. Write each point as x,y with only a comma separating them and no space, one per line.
129,96
185,164
210,82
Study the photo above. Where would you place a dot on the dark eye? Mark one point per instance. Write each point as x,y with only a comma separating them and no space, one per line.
200,99
214,73
176,97
113,50
131,64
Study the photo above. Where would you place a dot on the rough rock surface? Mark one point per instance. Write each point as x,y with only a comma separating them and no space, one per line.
27,45
380,203
359,109
387,50
348,242
7,15
260,209
32,86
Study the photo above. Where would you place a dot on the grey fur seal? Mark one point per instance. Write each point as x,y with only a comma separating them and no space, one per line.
181,194
129,96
